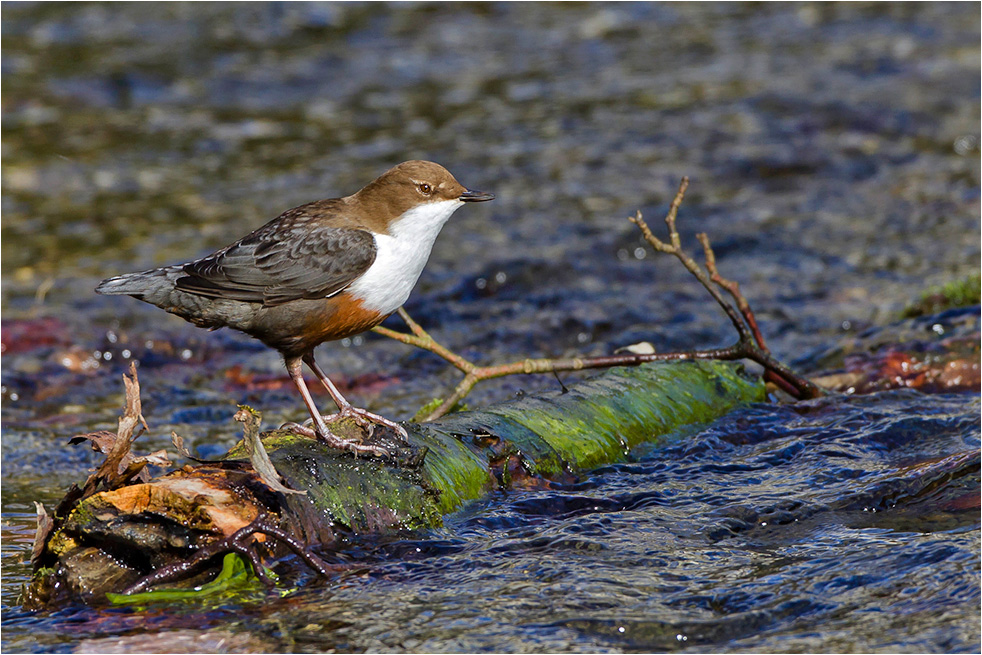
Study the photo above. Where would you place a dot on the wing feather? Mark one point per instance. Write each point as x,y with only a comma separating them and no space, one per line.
296,256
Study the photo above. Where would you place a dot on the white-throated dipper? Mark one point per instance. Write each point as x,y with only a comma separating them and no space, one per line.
318,272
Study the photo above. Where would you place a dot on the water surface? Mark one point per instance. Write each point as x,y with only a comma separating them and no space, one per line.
833,152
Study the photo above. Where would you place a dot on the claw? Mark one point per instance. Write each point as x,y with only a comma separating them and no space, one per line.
367,419
335,441
346,410
303,430
320,429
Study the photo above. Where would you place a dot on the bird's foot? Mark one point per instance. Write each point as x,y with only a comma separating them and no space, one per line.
334,441
367,419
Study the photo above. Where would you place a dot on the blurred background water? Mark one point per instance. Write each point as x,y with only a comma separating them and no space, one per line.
834,156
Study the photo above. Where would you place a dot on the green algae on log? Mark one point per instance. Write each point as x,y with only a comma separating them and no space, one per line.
114,537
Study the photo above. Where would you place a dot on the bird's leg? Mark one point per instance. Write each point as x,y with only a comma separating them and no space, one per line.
346,409
294,366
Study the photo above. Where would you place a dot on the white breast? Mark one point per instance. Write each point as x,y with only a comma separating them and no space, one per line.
401,256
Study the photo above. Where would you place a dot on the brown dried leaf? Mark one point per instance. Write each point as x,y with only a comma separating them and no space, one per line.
182,450
178,442
156,458
118,468
137,467
104,442
126,433
251,420
45,526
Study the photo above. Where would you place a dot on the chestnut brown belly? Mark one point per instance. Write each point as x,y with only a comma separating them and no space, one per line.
297,327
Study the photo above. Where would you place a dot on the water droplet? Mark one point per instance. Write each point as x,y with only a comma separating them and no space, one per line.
623,255
500,277
186,354
346,342
126,354
965,144
111,337
480,283
107,356
938,328
357,341
640,253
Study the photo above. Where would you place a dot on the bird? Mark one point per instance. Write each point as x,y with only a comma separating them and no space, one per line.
319,272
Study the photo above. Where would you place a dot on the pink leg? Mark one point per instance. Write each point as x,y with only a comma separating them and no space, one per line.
346,409
295,367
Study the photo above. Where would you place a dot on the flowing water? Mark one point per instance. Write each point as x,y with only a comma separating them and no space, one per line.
833,151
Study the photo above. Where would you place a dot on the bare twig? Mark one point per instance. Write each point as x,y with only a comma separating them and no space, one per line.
734,288
421,339
750,345
237,542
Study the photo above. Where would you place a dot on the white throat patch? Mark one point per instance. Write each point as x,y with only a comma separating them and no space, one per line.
401,256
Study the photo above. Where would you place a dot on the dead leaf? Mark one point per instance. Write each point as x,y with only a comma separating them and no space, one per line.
45,526
156,458
178,442
182,450
251,420
103,442
119,467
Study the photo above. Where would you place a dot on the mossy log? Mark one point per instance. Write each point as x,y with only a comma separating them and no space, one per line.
114,537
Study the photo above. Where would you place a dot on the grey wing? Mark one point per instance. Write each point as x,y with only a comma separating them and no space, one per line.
281,262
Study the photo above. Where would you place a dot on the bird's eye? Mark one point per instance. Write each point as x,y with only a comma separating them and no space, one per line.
424,188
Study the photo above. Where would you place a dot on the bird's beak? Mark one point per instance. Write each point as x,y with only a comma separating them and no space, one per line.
475,196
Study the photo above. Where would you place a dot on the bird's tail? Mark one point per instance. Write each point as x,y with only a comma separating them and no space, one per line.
129,284
138,284
158,287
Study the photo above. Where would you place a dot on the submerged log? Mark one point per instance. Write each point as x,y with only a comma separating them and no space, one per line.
112,538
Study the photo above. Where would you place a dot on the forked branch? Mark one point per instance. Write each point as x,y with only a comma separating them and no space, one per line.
750,344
